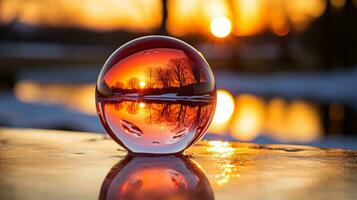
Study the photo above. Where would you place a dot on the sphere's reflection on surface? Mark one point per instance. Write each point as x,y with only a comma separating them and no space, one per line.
150,178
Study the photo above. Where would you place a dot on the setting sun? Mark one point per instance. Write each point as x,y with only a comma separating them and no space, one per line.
221,27
142,84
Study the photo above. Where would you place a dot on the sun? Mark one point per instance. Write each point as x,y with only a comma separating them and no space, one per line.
142,84
221,27
142,105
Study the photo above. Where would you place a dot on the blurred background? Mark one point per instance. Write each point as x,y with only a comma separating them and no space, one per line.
285,69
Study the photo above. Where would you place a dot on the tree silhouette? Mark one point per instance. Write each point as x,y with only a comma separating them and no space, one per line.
120,85
150,77
195,70
177,66
163,76
179,118
132,107
133,83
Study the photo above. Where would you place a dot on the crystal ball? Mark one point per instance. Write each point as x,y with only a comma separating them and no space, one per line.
156,95
167,177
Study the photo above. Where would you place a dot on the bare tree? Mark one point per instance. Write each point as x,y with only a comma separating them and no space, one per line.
177,66
195,70
132,107
163,76
119,84
150,77
133,83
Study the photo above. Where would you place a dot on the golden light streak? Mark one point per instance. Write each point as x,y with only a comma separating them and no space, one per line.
227,170
224,149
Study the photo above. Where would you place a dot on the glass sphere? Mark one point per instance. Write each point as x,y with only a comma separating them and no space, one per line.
167,177
156,95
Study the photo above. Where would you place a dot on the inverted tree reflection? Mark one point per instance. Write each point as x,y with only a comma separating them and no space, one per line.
180,117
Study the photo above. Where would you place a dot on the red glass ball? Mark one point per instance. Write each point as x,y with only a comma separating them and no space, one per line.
156,95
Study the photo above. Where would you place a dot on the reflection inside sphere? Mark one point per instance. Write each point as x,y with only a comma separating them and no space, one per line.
156,100
153,125
168,177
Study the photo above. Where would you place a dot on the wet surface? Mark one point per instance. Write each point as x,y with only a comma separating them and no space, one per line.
41,164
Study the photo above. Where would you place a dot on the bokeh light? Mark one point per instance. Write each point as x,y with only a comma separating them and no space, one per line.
244,118
248,118
100,15
56,94
223,112
221,27
338,3
185,17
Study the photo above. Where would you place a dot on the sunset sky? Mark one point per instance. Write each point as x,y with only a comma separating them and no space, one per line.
136,64
248,17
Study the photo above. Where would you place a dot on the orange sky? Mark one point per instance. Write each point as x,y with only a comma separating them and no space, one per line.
102,15
135,64
249,17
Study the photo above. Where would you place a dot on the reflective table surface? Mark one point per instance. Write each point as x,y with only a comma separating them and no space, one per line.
47,164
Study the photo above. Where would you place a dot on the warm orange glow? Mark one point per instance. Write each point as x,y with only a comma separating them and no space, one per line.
184,16
275,117
223,113
152,183
297,121
338,3
249,17
139,15
142,84
136,65
302,12
142,105
194,16
81,95
224,149
227,170
221,27
300,113
280,27
248,118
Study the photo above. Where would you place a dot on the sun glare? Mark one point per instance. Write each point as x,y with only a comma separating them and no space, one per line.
142,84
221,27
142,105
